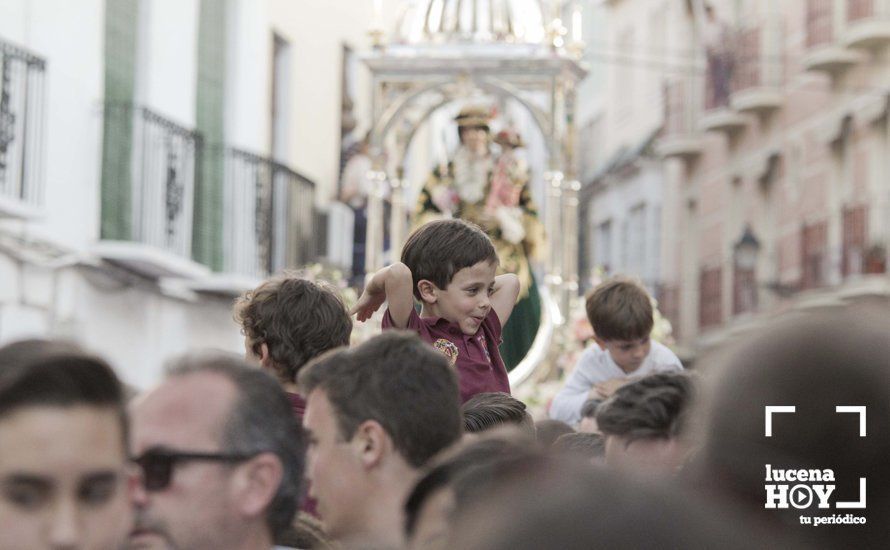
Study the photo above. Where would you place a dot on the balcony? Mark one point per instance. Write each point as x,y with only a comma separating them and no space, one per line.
757,76
719,115
148,185
710,301
680,137
824,25
22,132
268,222
868,24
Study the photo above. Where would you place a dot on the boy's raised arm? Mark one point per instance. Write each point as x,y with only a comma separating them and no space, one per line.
391,284
506,289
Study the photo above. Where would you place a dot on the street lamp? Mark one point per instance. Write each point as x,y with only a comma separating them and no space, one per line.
746,250
745,258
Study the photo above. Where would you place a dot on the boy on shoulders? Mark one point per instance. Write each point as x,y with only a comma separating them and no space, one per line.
449,266
620,312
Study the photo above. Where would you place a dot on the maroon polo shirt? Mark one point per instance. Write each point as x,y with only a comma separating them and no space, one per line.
298,404
476,357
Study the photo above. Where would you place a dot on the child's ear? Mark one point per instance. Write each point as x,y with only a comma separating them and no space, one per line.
428,291
265,359
600,342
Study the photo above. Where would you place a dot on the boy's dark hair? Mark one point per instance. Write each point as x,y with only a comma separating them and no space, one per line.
44,373
567,504
439,249
398,381
815,362
261,420
652,407
488,410
451,466
547,431
583,445
620,309
588,409
296,318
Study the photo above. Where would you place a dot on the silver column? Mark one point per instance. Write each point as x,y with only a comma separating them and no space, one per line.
374,235
397,224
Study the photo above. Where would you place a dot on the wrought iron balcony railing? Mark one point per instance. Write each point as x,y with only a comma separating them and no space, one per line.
151,163
868,23
268,215
164,156
822,18
22,110
680,111
858,10
680,136
758,60
827,41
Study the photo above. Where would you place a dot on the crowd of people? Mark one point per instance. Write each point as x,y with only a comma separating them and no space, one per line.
412,439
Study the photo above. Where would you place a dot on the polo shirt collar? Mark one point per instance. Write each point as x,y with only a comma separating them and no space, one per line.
445,325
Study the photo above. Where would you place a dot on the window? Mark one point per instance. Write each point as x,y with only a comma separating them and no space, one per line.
710,312
281,94
603,247
22,104
813,244
744,290
854,233
625,86
636,241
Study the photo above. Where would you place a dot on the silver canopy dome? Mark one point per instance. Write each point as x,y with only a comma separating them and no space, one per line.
476,21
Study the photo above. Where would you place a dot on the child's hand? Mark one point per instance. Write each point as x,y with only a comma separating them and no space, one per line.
607,388
366,305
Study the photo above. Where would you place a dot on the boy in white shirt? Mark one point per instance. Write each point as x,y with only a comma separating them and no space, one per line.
620,312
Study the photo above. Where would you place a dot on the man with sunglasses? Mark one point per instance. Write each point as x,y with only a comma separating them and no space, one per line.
64,481
221,458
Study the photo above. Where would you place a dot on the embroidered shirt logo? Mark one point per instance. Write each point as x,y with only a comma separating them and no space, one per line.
448,349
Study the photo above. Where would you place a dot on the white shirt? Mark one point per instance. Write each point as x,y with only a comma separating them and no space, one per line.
596,365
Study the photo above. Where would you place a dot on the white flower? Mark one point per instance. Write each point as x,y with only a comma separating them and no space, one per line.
510,221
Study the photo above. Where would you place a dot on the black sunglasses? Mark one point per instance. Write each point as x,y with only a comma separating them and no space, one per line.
157,464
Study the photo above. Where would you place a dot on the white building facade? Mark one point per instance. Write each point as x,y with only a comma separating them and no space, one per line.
157,157
620,116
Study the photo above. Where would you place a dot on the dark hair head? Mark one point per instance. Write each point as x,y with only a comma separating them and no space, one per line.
43,373
652,407
814,362
548,430
620,309
261,420
485,411
453,464
567,504
588,409
439,249
583,445
296,318
398,381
